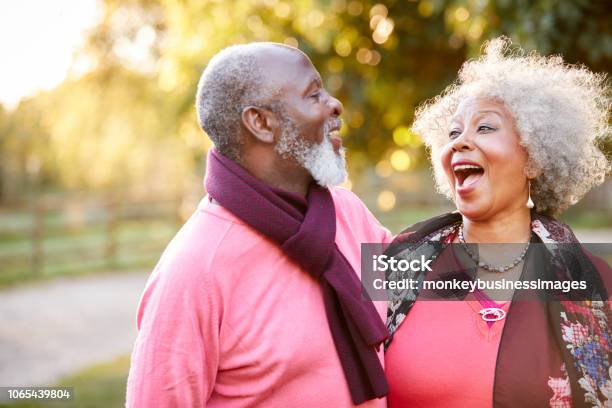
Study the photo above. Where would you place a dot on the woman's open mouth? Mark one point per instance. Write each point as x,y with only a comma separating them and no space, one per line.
467,176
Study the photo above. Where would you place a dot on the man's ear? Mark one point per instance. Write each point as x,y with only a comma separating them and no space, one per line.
260,122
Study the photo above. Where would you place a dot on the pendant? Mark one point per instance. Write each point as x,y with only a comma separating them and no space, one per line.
492,314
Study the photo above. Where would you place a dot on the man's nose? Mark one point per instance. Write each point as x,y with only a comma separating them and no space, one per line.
336,106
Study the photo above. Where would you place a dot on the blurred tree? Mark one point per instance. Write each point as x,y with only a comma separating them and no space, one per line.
131,118
380,58
23,145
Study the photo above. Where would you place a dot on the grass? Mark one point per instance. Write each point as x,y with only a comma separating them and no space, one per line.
100,386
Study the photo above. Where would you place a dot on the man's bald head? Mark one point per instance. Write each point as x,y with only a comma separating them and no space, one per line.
234,79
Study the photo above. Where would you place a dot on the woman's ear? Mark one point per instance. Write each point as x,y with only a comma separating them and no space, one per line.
532,171
260,122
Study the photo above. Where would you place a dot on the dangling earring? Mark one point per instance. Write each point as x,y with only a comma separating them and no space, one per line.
529,204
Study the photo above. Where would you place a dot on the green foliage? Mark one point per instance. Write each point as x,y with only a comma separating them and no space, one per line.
130,120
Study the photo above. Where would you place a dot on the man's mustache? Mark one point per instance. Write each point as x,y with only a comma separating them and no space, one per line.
334,124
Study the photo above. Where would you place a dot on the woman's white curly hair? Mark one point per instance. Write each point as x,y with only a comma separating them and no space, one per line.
561,113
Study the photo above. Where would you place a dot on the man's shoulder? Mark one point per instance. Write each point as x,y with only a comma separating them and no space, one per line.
204,229
352,213
209,250
344,197
348,205
210,236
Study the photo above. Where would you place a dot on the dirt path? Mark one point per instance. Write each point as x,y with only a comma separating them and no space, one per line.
51,329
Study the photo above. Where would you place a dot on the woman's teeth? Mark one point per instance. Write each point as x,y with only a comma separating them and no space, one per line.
467,174
462,167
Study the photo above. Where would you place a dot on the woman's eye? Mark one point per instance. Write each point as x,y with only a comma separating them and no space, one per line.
453,134
316,95
485,128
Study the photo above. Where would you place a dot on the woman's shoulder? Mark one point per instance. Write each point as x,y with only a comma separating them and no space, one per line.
423,229
552,230
585,258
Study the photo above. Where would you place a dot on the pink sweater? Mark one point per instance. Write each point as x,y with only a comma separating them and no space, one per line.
443,355
227,320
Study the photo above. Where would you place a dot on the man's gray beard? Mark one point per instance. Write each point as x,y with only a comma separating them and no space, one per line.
325,166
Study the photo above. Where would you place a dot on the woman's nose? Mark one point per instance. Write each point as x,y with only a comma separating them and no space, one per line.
463,142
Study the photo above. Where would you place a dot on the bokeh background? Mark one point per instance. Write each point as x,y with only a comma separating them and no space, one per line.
101,157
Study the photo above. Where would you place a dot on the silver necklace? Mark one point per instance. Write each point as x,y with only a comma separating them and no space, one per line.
491,268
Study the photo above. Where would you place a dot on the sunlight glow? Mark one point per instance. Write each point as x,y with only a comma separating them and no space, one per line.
38,39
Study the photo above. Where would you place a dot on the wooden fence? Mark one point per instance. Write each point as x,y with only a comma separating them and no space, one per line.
76,233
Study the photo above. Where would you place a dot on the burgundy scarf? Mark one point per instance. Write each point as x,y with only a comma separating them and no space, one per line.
306,231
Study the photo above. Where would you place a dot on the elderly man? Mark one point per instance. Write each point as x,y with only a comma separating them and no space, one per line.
257,300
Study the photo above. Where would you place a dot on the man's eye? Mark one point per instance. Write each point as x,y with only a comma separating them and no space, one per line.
316,95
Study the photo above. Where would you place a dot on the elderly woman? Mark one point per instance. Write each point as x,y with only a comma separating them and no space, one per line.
513,143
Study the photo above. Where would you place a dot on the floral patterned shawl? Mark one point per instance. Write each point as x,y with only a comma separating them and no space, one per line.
552,353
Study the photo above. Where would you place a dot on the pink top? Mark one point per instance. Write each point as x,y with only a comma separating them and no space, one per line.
444,355
227,320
